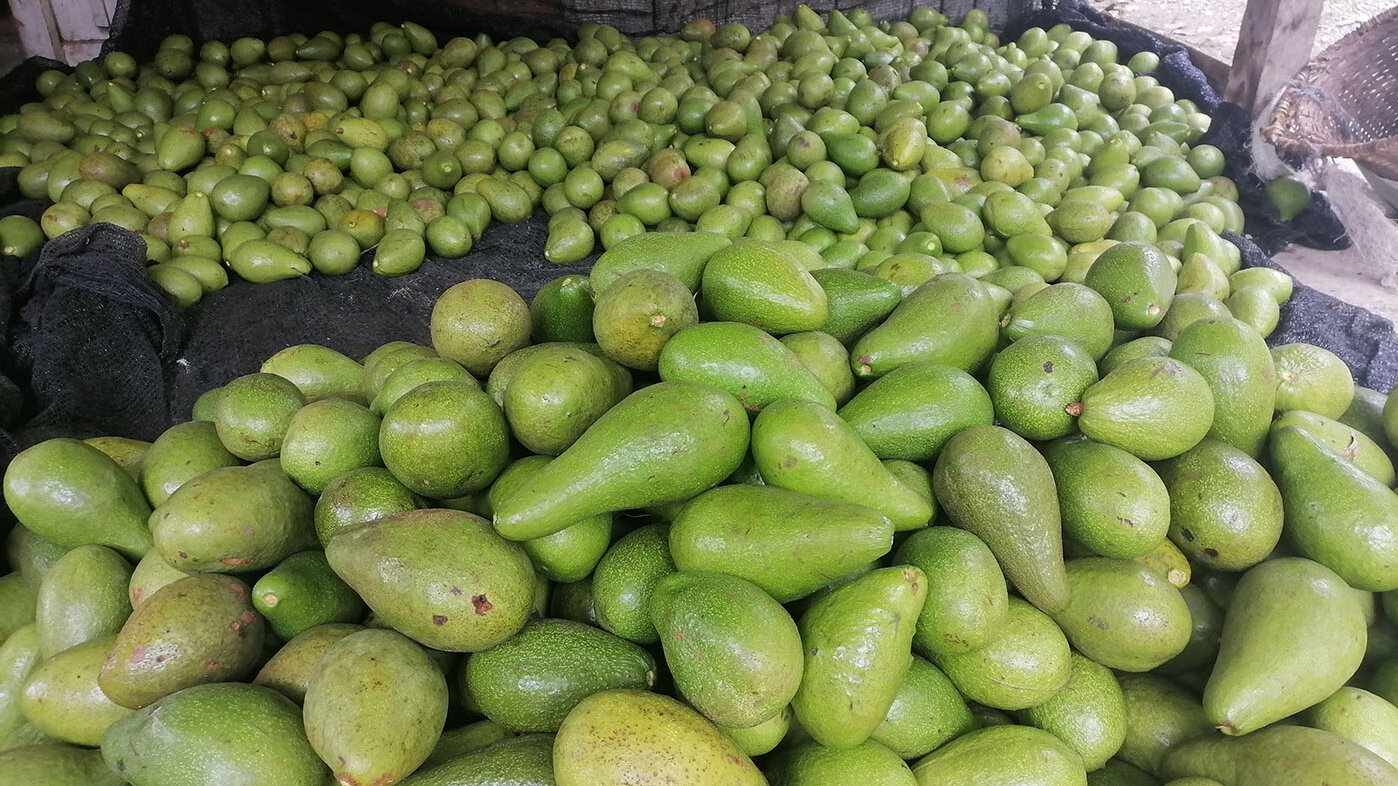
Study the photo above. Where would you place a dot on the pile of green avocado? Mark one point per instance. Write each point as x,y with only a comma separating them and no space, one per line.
911,148
720,515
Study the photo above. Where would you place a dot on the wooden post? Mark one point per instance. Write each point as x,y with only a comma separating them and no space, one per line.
1273,45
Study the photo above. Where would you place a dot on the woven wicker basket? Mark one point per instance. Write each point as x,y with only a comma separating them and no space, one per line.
1345,104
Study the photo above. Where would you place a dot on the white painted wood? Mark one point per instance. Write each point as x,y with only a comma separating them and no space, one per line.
38,32
76,21
1273,45
67,30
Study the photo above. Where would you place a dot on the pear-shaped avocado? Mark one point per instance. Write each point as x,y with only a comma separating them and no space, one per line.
462,599
1292,636
445,439
1112,502
1238,367
1089,713
1225,510
663,443
569,554
994,484
1138,282
1345,441
130,454
967,601
375,707
813,764
1337,514
857,302
1280,756
234,520
557,393
253,412
625,579
302,592
63,700
764,285
83,597
926,713
1153,408
1002,754
290,670
199,629
804,447
857,644
73,494
222,733
318,372
1026,663
150,574
951,319
682,255
532,681
518,761
742,360
631,736
912,411
183,452
1123,614
739,529
1362,717
19,655
1160,716
733,651
51,764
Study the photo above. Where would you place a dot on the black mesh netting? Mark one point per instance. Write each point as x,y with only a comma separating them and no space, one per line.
98,350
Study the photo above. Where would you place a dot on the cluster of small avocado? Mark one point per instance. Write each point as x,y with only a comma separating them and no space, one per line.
869,142
719,514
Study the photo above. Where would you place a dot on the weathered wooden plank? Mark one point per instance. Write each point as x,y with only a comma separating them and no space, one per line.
1273,45
38,31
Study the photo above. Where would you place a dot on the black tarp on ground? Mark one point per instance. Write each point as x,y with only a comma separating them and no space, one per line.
97,350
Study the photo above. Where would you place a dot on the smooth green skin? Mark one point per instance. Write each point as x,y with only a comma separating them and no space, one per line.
765,736
1138,282
1344,441
1188,308
857,643
180,454
83,597
1021,755
463,599
570,554
1390,418
830,206
813,764
197,630
1225,509
1238,367
700,431
1314,380
1123,614
951,319
515,761
404,378
997,486
253,413
557,393
733,651
911,412
375,707
478,322
927,713
1336,513
149,575
388,358
48,764
302,592
214,733
234,520
764,285
665,740
455,743
562,310
804,447
399,252
967,600
444,439
1145,346
682,255
625,579
1201,274
318,372
19,656
62,699
129,453
289,671
532,681
1292,636
1206,623
190,217
240,197
1088,714
1111,502
1022,666
739,529
826,358
1033,381
636,315
743,360
1072,311
72,494
1280,756
327,439
16,604
856,302
31,555
1365,415
264,262
1118,773
1153,408
1361,717
359,497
